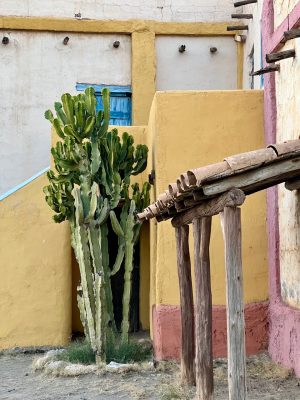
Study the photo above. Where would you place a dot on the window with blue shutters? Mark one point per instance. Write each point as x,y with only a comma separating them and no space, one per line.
120,102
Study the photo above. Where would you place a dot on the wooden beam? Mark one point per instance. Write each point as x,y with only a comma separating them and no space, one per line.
244,3
203,309
254,180
242,16
273,57
237,28
293,184
235,307
233,197
186,305
267,70
291,34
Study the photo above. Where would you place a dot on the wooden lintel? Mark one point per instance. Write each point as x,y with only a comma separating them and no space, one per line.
291,34
267,70
273,57
244,3
293,184
186,305
234,197
242,16
257,179
237,28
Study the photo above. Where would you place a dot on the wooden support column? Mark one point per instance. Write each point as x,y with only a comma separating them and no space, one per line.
235,307
203,309
187,306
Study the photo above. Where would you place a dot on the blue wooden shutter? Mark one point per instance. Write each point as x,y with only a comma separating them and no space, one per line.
120,102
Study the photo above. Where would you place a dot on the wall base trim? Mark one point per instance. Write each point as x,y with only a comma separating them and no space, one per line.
167,331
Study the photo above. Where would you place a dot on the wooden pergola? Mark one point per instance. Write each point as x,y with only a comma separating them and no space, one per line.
195,198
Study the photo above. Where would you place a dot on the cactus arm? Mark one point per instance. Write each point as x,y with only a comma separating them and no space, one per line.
103,213
137,229
115,225
106,112
119,259
58,129
68,107
93,202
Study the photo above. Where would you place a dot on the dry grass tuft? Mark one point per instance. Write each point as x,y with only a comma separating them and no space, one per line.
262,366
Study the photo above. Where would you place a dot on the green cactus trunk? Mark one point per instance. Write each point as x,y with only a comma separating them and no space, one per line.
127,291
132,229
107,287
89,240
91,295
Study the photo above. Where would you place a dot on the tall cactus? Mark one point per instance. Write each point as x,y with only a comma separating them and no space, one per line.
93,173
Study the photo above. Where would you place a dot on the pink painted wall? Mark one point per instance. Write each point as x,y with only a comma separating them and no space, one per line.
284,335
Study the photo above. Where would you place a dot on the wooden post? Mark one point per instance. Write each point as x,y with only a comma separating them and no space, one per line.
273,57
237,28
292,34
235,307
203,309
187,306
242,16
266,70
244,3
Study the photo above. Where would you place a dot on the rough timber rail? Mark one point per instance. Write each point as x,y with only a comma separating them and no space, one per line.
195,197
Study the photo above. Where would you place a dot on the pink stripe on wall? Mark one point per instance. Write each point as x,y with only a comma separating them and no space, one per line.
284,334
291,21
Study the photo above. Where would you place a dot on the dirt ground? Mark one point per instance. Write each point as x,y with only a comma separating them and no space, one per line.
266,381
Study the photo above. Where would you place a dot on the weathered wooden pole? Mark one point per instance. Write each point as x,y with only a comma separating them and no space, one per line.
242,16
237,28
273,57
292,34
203,309
266,70
244,3
187,306
235,307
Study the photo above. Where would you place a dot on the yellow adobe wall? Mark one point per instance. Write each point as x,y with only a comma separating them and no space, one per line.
35,290
186,129
192,129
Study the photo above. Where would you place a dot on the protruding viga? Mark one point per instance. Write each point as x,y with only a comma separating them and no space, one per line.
93,173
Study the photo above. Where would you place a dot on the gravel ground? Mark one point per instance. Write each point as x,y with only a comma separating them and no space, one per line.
266,381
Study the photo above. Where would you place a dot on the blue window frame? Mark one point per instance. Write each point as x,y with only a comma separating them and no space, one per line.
120,102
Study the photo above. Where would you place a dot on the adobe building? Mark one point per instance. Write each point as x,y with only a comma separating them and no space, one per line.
180,83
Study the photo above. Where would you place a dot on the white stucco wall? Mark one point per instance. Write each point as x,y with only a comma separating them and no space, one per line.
281,10
197,68
253,41
288,127
35,69
165,10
